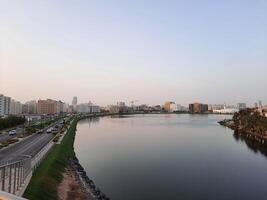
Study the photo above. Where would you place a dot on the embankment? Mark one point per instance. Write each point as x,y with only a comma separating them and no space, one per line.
61,163
47,177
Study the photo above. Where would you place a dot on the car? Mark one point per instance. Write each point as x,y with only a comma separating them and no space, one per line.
49,131
54,130
13,132
40,132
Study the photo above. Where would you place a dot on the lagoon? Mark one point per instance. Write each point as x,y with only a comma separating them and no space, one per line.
169,156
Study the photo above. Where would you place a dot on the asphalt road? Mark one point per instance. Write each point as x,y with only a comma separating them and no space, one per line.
4,136
27,147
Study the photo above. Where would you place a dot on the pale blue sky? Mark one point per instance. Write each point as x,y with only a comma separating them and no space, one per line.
151,51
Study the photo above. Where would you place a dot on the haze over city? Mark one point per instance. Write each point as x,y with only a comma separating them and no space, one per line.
185,51
133,100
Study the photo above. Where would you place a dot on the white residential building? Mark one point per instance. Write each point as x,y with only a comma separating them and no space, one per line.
15,108
226,110
87,108
4,105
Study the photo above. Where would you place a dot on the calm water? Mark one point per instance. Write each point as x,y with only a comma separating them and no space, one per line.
162,157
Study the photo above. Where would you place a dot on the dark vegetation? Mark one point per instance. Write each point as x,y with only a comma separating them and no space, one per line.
11,121
250,121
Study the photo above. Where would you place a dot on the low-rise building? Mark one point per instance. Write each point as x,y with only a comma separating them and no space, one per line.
180,108
88,108
226,111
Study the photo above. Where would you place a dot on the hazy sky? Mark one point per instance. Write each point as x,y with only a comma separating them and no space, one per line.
150,51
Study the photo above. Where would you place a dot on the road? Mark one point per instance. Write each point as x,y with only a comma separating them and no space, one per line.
4,134
27,147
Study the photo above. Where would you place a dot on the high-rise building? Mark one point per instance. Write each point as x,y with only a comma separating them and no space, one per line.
60,108
47,107
260,104
15,107
241,106
198,108
32,107
74,101
4,105
170,106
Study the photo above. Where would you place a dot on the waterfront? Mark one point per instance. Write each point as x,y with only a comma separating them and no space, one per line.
169,157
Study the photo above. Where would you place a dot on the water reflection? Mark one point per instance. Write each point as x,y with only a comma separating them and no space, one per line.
253,145
170,157
90,121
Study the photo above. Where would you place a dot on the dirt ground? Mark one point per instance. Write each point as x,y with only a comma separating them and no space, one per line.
69,188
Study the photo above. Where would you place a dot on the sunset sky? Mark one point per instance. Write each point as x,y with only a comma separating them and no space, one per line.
150,51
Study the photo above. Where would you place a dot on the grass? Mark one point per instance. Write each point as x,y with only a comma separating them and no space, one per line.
47,177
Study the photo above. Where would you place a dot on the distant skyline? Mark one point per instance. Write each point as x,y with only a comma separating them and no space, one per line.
153,51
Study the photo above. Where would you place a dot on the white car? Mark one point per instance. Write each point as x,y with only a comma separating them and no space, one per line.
13,132
49,131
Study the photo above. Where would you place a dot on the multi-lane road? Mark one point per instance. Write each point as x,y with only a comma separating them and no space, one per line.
28,147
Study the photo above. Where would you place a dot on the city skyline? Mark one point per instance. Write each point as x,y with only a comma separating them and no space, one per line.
151,52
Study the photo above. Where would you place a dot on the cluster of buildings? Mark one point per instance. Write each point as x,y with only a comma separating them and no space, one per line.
121,107
9,106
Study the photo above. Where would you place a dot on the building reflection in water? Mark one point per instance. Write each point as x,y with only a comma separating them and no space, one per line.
90,121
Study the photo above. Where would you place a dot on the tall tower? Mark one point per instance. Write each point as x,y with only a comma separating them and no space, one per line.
74,101
260,104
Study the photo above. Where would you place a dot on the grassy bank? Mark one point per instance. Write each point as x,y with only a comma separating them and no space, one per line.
47,177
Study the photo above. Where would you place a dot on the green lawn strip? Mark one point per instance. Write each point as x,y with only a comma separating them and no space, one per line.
47,177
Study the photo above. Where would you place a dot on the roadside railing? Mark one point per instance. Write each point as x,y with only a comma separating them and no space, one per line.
14,174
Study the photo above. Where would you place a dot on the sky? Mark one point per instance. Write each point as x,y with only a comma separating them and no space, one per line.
150,51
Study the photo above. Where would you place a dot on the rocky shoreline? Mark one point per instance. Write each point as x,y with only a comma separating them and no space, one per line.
86,184
244,133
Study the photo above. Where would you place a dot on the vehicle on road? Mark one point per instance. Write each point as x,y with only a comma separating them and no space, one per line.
13,132
40,131
54,130
48,131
